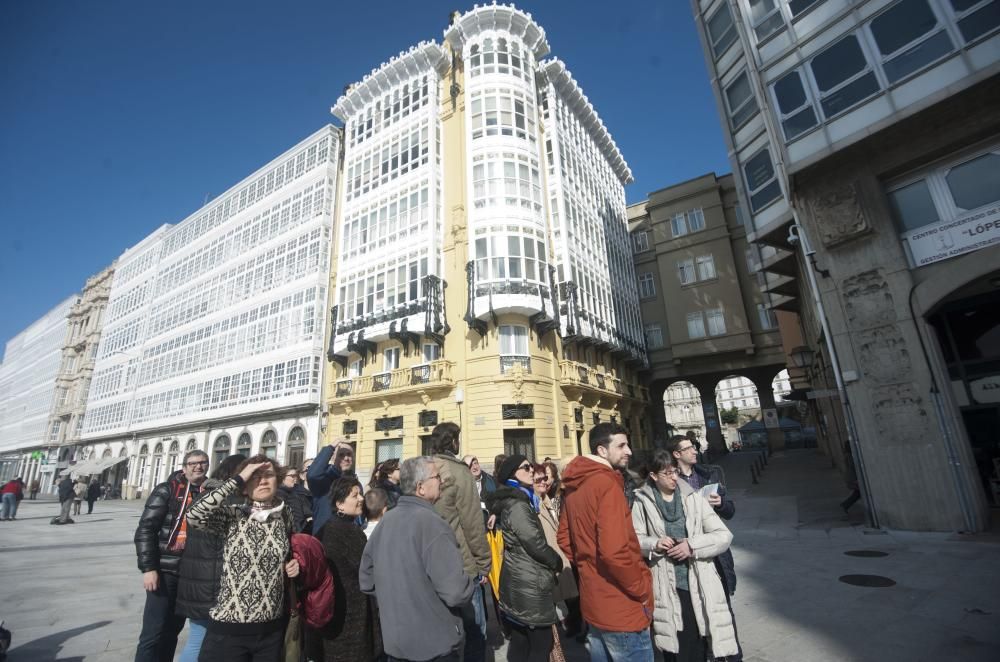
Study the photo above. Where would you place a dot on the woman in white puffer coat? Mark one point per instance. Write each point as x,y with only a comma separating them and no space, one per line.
680,535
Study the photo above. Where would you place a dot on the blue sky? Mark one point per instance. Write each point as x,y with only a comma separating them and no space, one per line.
119,116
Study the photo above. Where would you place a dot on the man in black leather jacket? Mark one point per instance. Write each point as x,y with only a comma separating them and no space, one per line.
159,544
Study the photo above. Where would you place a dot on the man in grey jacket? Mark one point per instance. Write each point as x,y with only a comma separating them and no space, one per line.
413,566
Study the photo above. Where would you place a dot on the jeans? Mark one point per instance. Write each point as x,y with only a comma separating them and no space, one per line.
196,634
619,646
474,623
160,625
258,647
9,510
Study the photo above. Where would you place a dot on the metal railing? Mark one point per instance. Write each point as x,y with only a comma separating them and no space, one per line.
435,372
508,363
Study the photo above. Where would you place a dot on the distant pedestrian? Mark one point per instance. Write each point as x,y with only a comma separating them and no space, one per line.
36,487
201,566
93,494
160,541
13,492
530,565
680,536
386,477
79,494
413,564
376,506
298,499
65,500
596,534
352,634
332,462
247,621
459,505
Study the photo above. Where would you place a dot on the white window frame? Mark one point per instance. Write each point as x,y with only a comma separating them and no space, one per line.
433,354
355,368
774,177
714,43
715,317
776,9
752,98
390,358
698,330
768,320
695,219
647,286
640,241
940,26
703,261
957,16
511,338
654,336
678,225
685,272
865,48
809,102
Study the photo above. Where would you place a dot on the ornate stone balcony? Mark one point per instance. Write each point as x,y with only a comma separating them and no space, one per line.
580,375
436,374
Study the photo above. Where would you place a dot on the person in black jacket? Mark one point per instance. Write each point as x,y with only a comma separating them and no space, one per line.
160,540
93,494
298,500
201,567
65,499
530,565
386,476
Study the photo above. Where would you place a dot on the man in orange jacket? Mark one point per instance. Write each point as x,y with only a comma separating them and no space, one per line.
596,534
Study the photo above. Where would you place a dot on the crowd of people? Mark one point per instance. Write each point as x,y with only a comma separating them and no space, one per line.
272,563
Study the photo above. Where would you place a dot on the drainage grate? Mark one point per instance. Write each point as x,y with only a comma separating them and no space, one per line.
867,553
869,581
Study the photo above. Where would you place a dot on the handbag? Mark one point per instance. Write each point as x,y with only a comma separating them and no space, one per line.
495,540
557,654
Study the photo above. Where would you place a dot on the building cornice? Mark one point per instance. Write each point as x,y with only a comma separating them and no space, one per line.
556,72
425,55
507,18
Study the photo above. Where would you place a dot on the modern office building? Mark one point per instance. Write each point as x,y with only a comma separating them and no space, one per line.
868,132
31,363
213,336
483,274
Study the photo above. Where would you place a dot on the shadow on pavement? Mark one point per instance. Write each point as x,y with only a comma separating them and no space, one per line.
47,648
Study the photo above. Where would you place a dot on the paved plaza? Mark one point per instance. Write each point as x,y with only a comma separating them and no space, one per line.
74,593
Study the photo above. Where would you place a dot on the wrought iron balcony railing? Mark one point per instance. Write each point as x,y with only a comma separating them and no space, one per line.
508,363
435,373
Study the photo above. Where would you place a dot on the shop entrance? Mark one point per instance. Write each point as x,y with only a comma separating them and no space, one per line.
968,332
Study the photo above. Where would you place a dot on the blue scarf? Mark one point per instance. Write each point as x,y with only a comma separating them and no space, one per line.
532,497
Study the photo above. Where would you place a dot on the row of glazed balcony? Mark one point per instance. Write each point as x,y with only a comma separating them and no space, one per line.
581,375
423,376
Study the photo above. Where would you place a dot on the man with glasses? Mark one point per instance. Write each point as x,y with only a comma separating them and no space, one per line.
412,564
159,545
686,451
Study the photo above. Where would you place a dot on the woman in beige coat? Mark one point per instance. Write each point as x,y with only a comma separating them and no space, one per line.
548,513
680,535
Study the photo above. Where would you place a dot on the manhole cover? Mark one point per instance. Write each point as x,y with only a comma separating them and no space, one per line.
867,553
870,581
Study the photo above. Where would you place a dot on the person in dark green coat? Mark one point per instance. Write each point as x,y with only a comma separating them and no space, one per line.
530,566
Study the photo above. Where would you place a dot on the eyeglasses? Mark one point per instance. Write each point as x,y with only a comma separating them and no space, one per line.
669,473
202,463
540,481
686,448
434,477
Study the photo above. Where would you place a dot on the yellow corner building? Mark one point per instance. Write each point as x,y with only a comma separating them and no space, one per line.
482,271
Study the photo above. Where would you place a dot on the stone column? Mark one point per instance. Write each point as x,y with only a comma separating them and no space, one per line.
657,415
713,424
765,396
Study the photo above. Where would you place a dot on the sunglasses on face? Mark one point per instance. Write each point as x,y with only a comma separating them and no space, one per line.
524,467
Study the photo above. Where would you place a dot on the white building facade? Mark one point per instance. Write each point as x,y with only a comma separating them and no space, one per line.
215,326
31,363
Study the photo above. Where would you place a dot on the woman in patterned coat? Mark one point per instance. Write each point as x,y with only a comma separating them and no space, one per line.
248,619
352,635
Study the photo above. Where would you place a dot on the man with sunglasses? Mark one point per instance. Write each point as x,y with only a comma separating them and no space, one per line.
159,544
